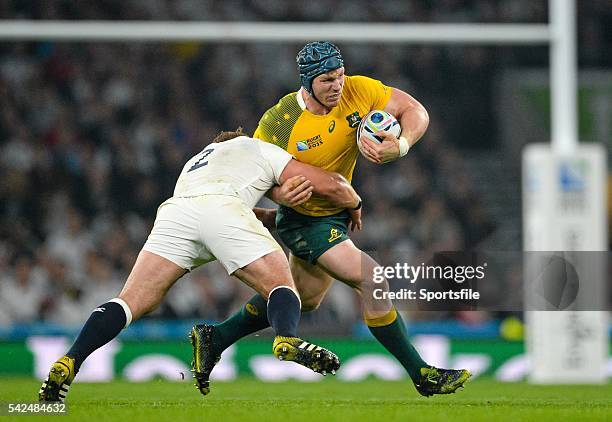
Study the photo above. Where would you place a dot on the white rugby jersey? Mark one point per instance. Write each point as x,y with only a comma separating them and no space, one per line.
243,167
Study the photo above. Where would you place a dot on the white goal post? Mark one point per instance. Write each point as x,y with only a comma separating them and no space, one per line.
252,32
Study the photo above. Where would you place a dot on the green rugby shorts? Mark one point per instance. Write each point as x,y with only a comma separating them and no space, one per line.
309,237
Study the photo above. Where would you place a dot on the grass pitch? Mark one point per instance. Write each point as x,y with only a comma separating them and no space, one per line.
329,400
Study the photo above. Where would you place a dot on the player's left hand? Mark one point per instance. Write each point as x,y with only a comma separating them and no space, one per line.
388,150
294,191
355,219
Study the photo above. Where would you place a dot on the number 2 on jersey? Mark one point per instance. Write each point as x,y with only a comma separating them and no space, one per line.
201,163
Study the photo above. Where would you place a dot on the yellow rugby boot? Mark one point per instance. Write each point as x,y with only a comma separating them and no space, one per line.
56,385
310,355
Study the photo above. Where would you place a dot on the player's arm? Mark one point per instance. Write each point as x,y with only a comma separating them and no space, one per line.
413,119
293,192
330,186
296,189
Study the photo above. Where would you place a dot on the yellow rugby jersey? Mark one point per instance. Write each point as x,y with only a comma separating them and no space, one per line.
326,141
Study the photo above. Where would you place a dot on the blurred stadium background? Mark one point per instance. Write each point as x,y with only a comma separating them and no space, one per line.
93,136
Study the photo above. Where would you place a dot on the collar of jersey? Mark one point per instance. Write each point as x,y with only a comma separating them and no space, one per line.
300,99
302,104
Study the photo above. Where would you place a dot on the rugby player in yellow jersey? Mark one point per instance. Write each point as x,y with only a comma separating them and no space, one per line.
317,125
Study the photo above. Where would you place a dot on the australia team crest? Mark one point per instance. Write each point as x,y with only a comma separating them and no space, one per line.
353,119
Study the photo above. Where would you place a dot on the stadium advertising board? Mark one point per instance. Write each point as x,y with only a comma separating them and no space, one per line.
143,361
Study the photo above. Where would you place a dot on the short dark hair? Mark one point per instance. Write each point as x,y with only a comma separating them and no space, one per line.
227,135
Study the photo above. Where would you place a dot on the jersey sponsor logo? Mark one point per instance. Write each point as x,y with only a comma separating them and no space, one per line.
332,126
309,143
334,234
353,119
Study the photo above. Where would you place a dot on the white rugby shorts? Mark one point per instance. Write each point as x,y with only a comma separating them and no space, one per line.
196,230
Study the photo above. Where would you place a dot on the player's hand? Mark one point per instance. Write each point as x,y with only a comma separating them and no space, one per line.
355,219
295,191
384,152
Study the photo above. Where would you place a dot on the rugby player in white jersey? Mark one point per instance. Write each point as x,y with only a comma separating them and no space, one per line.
210,216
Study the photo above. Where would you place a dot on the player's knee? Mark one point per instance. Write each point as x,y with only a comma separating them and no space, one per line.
139,308
266,289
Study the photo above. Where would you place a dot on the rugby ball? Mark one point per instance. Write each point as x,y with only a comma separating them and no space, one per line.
375,121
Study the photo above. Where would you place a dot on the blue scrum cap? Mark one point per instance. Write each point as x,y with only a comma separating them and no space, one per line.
316,58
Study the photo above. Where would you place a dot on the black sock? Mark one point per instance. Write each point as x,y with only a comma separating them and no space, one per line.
251,318
104,324
284,311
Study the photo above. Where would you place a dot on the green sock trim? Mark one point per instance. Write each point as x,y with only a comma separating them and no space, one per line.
251,317
395,339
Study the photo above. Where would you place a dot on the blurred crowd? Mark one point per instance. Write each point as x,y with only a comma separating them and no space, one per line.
93,136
